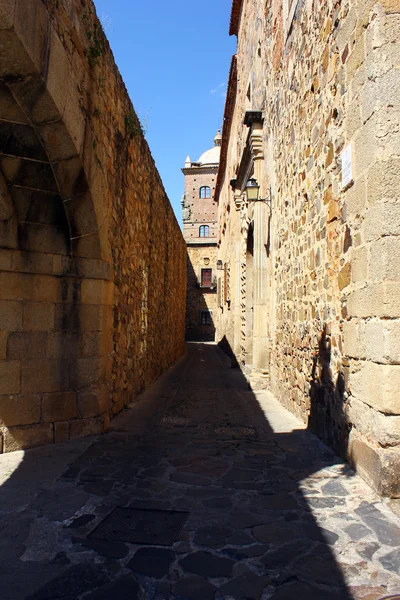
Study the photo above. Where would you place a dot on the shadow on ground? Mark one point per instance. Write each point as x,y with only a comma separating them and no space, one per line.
249,478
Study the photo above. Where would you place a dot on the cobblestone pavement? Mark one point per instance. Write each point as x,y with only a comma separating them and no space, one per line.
267,511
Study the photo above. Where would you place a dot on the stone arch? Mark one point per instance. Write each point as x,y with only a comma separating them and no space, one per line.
42,133
55,291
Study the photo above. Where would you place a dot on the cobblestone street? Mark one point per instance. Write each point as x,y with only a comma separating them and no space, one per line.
262,509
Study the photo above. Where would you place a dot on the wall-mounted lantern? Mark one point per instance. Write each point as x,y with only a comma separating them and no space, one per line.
253,191
220,265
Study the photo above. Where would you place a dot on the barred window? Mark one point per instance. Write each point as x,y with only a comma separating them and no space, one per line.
206,277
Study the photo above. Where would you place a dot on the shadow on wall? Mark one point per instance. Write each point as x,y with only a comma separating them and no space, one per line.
199,318
327,417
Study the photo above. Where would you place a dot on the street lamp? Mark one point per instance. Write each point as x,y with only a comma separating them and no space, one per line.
252,193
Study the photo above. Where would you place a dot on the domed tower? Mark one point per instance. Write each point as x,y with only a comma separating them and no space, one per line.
199,214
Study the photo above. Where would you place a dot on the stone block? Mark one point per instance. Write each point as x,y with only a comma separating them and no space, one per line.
382,341
30,23
19,410
77,317
59,406
365,138
96,291
32,262
45,376
344,276
25,345
21,286
86,372
74,118
3,344
383,181
93,403
377,427
85,427
88,246
28,436
379,300
356,197
38,316
377,385
385,259
61,432
382,220
359,264
7,9
81,267
379,467
63,345
354,338
10,315
10,377
58,73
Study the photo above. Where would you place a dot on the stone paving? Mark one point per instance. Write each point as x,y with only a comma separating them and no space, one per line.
272,513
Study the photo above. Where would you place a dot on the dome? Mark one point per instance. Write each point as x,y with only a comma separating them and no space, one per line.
211,156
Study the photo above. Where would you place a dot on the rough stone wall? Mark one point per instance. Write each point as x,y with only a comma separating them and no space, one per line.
200,298
332,293
92,309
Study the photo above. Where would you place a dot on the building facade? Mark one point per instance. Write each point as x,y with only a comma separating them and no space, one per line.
310,302
199,213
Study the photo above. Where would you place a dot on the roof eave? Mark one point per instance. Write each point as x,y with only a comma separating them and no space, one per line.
235,17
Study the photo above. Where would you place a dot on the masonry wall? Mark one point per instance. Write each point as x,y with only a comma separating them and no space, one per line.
329,80
92,280
199,298
202,211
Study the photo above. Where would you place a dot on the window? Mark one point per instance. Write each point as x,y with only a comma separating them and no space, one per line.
206,277
204,231
205,192
205,317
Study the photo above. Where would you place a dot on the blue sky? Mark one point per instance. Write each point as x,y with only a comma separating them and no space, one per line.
174,58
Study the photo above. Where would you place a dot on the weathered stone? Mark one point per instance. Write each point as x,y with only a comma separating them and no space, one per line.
194,588
206,564
123,588
249,585
19,410
28,436
153,562
72,583
10,377
104,548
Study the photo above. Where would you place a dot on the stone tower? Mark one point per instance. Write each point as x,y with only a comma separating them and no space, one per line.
199,213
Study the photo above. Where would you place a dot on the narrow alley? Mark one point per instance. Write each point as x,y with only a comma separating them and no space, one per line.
202,490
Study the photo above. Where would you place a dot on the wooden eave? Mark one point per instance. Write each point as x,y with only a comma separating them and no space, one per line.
235,17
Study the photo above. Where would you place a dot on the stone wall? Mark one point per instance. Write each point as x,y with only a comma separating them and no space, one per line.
92,261
329,264
199,298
